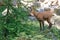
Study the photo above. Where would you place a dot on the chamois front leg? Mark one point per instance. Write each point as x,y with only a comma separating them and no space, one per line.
40,23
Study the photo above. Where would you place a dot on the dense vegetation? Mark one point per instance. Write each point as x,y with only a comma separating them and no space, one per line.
17,26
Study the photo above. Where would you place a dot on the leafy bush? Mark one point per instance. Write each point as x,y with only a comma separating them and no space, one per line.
17,26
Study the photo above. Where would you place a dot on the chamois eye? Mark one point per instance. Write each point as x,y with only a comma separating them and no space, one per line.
29,8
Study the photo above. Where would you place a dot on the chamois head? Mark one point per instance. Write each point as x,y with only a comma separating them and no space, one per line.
32,11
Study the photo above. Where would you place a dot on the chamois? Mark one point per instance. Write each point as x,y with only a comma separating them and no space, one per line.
42,16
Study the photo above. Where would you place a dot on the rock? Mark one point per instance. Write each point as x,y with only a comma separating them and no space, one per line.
56,20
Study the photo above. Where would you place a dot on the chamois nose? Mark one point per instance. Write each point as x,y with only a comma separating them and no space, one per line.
30,14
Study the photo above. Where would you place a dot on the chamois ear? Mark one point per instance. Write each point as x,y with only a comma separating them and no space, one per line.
30,9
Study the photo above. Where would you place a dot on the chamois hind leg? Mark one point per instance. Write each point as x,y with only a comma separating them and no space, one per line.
49,22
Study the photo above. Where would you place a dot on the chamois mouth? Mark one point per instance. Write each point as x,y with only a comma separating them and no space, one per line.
31,15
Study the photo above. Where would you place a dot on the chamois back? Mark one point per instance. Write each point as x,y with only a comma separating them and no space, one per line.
41,15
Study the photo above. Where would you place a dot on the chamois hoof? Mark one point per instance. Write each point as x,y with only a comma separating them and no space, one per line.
41,29
49,28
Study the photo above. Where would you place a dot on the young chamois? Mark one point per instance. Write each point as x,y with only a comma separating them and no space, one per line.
42,16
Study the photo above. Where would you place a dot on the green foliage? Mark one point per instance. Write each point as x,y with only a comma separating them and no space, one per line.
17,26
